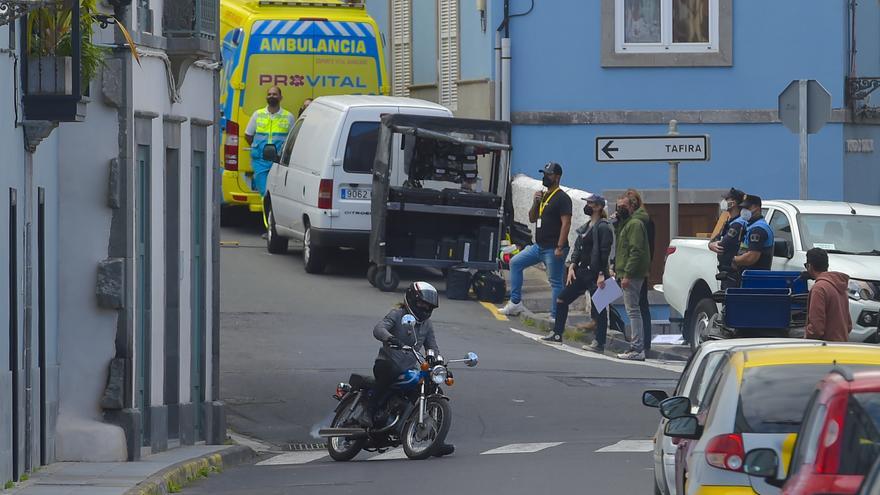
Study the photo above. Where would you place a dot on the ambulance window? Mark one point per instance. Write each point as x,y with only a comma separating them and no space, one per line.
288,145
360,149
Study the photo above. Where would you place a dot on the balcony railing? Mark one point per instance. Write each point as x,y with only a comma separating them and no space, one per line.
190,19
858,96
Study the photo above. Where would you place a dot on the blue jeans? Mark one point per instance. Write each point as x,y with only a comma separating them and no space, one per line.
531,256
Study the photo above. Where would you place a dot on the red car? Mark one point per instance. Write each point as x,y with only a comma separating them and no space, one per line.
839,438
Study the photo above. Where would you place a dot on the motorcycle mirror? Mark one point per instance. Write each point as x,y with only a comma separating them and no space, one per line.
471,359
408,321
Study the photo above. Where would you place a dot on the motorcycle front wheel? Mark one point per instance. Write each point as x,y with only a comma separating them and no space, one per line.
344,448
420,441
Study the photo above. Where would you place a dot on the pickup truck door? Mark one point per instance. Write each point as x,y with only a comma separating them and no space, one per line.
784,228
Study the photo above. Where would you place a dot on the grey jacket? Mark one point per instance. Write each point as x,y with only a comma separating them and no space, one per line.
423,335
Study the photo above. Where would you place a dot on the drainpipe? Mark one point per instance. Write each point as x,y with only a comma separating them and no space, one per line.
505,78
498,83
27,341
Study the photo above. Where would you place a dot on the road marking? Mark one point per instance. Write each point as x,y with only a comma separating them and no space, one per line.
253,443
593,355
394,454
492,309
629,446
229,243
292,458
522,448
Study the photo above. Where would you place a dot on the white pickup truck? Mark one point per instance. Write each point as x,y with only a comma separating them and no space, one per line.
850,233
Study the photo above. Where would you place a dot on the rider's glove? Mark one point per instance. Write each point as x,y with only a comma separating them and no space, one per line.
392,341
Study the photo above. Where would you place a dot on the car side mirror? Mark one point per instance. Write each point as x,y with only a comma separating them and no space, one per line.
762,463
653,398
683,427
270,153
675,407
783,249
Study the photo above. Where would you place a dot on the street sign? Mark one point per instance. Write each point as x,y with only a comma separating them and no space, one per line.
652,148
818,106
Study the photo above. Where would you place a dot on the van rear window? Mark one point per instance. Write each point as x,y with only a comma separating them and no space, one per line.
360,149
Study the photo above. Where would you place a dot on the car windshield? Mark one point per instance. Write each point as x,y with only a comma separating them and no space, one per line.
772,399
843,234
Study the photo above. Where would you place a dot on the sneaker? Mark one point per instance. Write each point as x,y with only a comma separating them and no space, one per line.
552,320
554,338
632,356
594,346
512,308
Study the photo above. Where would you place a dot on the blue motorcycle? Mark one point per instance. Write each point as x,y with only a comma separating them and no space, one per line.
418,413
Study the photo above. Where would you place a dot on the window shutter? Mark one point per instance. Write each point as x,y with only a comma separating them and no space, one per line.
448,60
401,47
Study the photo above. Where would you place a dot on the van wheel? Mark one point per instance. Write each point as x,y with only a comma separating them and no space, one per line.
314,257
386,285
701,322
275,244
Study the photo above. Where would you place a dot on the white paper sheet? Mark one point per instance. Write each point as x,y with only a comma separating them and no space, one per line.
604,297
668,338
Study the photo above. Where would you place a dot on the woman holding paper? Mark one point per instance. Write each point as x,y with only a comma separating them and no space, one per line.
587,271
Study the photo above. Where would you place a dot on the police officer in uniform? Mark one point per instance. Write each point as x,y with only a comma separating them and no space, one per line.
268,127
756,250
726,244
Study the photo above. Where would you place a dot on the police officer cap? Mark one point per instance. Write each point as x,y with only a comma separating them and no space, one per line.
552,168
734,194
751,200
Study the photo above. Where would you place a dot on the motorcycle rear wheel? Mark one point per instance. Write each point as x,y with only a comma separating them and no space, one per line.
341,448
421,441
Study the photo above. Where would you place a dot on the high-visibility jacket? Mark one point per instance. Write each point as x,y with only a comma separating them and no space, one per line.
271,128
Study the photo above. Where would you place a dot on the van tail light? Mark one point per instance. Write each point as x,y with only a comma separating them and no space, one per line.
325,194
828,457
726,452
670,250
230,147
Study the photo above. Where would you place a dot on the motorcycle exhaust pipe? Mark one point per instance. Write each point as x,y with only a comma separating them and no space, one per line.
342,432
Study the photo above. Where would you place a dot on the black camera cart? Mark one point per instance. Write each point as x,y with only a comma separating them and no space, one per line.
426,222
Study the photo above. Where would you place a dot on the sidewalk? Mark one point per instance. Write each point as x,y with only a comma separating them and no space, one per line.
166,472
537,298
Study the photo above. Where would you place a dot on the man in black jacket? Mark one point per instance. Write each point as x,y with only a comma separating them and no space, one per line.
588,269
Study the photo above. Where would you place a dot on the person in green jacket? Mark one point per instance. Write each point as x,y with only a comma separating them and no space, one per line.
632,264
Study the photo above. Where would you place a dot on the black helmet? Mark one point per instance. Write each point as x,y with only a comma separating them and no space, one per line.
421,300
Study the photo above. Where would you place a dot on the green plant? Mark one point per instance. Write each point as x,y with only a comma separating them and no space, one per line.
25,477
173,487
204,472
8,485
49,34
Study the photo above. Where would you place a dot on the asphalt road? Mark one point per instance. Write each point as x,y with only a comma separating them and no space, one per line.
288,338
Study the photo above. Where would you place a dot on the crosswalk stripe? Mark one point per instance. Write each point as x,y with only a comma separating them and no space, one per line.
397,453
629,446
292,458
522,448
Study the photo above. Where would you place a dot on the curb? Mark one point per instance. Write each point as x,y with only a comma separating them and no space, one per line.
613,343
174,478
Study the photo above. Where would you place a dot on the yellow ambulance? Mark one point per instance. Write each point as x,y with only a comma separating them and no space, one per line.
306,48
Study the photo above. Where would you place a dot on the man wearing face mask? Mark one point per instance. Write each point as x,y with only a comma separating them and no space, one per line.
726,244
268,127
756,250
551,212
632,264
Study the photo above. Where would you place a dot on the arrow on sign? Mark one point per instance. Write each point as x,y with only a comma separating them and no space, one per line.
607,148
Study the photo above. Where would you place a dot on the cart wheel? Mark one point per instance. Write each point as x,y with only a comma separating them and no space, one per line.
371,274
386,285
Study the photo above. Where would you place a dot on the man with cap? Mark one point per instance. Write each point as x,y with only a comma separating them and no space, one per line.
756,249
551,212
726,243
588,269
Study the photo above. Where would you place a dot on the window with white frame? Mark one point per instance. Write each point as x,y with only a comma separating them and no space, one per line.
666,26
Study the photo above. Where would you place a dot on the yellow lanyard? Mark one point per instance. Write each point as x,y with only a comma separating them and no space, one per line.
544,204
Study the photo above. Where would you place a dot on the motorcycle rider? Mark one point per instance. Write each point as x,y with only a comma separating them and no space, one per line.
420,300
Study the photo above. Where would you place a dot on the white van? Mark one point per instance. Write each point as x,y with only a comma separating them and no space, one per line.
319,193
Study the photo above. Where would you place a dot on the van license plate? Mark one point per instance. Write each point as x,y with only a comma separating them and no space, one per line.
355,193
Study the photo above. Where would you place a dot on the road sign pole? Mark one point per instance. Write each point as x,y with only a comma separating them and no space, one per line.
802,131
673,187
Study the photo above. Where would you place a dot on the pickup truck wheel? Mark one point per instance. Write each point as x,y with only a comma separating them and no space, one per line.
314,257
701,321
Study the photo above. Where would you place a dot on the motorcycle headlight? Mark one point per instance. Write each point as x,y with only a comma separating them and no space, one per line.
860,289
438,375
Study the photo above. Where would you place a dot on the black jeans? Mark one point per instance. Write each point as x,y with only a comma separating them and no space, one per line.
584,282
385,373
646,315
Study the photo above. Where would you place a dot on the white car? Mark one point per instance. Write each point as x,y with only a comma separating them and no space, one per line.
692,384
320,189
850,232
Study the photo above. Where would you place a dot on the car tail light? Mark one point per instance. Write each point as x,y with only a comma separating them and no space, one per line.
230,147
828,457
726,452
325,194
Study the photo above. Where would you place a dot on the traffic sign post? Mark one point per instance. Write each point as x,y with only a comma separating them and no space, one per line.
804,108
671,148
